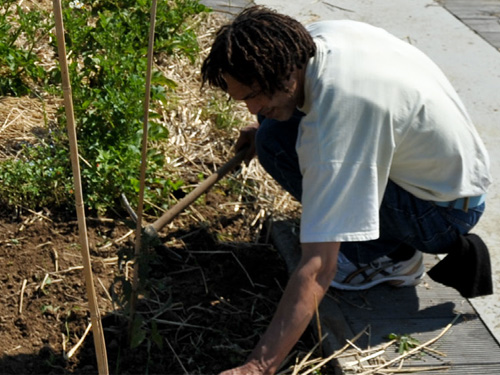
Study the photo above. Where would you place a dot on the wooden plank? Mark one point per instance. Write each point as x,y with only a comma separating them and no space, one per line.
423,312
492,38
479,369
469,12
464,345
390,306
477,5
482,16
481,26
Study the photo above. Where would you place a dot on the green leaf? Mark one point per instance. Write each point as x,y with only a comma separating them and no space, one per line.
138,334
156,336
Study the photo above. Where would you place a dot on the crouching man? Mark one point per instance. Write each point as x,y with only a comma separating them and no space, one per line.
369,135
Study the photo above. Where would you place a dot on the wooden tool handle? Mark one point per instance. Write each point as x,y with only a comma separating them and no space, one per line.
168,216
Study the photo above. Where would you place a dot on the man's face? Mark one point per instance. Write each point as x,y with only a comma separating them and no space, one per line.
279,106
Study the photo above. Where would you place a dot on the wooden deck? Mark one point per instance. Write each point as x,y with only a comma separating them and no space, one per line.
422,312
482,16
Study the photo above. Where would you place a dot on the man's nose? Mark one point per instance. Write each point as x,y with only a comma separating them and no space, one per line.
253,106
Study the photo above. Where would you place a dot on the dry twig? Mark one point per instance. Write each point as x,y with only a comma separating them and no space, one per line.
21,296
79,343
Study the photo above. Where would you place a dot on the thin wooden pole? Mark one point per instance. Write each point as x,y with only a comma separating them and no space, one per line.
98,332
140,206
168,216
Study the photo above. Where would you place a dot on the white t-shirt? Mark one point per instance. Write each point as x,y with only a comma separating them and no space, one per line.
376,109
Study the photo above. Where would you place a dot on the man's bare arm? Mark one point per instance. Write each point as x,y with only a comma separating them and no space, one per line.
305,289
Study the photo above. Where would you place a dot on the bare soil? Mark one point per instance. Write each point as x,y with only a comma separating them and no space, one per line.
210,291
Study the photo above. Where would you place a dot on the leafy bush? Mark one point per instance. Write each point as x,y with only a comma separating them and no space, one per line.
19,66
41,175
107,43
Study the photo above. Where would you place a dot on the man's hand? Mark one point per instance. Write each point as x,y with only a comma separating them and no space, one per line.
247,138
305,289
249,368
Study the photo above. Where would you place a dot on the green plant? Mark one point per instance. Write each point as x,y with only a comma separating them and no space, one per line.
49,309
141,332
405,342
221,111
38,177
107,43
108,80
21,31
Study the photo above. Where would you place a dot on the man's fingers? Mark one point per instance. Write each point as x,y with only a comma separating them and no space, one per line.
247,139
246,369
249,155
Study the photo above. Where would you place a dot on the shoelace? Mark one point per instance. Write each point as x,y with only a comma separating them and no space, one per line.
377,264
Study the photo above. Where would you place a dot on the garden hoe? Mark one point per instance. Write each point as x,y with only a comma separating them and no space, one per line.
150,232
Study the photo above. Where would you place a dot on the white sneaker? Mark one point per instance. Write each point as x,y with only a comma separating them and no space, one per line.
352,276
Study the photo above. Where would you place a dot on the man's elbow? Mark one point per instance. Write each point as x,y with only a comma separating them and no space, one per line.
320,262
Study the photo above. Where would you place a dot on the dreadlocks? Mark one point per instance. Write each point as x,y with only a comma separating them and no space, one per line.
260,45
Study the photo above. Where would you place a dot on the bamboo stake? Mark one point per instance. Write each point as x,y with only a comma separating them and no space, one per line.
99,343
140,206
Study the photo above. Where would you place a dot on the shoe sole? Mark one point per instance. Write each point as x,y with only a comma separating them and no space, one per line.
396,281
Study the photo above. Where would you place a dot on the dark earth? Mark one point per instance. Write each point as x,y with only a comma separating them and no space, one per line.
207,294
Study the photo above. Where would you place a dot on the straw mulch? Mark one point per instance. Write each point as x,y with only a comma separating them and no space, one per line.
24,120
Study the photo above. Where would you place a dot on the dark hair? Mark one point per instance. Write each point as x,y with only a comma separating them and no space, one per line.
261,46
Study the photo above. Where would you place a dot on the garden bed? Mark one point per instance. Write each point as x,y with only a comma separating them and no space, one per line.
210,295
206,295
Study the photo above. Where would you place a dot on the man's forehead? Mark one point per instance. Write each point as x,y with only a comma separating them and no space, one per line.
238,90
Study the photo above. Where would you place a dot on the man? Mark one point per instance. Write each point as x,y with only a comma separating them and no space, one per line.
370,136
